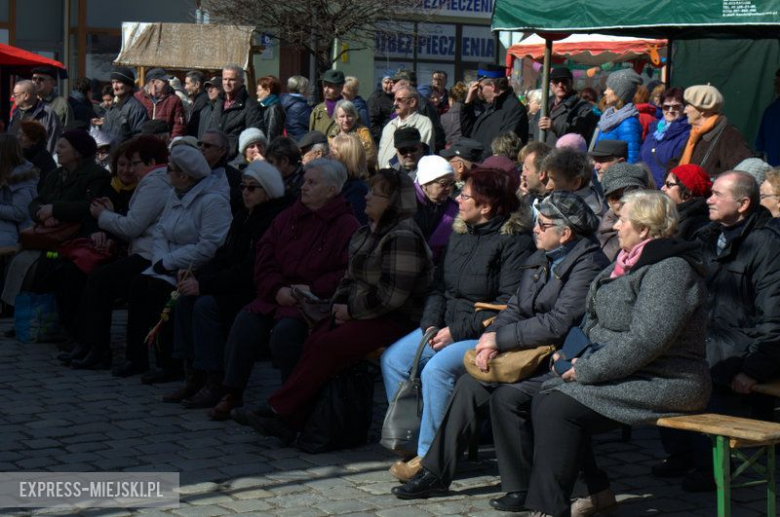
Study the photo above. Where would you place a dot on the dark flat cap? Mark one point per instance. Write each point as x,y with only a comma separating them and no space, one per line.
406,136
333,77
46,70
466,148
622,175
154,127
490,71
605,148
157,73
215,81
311,138
561,72
123,74
572,209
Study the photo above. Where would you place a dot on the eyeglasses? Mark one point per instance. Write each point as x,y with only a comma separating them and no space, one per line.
17,94
669,184
465,197
249,188
764,196
407,150
544,226
401,99
672,107
206,145
445,183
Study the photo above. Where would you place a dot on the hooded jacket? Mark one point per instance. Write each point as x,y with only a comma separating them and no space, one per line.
651,324
506,113
545,307
297,113
482,263
390,266
15,195
662,155
302,247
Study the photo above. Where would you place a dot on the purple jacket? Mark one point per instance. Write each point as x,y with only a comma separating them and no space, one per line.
666,150
438,239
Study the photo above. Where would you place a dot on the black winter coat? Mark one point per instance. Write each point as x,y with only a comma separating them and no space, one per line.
505,114
544,309
200,103
744,300
42,159
481,264
297,113
380,108
273,120
573,115
694,214
241,115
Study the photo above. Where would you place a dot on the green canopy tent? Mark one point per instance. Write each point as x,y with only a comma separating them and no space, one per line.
732,44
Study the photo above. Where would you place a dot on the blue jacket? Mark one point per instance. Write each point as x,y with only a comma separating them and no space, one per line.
768,138
629,131
298,112
362,107
15,196
355,191
657,154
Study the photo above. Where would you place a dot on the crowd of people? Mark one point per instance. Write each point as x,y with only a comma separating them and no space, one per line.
639,222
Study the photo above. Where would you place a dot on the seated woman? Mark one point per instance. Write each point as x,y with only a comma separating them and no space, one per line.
435,209
484,260
193,224
381,296
347,150
146,159
647,311
546,305
666,139
213,295
348,123
689,187
305,247
32,138
252,144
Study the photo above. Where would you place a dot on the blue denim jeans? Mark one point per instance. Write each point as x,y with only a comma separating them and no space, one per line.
440,371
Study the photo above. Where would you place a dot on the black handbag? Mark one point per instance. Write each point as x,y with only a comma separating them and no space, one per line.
401,427
343,412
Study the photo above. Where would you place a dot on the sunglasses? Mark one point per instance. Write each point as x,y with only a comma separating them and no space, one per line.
544,226
400,100
408,150
38,79
249,188
670,184
206,145
445,183
672,107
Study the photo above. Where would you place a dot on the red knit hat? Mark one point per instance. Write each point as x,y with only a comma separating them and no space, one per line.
694,178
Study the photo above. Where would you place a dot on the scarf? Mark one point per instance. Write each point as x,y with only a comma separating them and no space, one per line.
118,186
612,118
330,106
696,134
270,100
660,130
628,259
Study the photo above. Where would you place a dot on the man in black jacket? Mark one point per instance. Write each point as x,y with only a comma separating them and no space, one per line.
503,112
380,107
568,113
234,110
199,99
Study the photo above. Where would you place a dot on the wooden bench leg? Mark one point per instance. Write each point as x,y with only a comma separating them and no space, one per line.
771,510
721,461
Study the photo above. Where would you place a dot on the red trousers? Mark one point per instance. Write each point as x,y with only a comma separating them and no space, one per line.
326,352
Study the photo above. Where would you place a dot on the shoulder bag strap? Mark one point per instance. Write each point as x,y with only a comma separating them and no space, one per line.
423,343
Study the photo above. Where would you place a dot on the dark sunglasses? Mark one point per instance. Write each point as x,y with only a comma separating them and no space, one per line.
249,188
206,145
672,107
408,150
669,184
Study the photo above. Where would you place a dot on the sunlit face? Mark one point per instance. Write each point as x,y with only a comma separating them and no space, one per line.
192,88
409,156
262,92
770,198
331,91
671,188
534,106
610,97
546,235
404,104
156,87
468,210
724,207
387,85
459,166
556,181
628,234
345,120
672,109
439,189
121,89
695,117
530,178
231,82
562,88
252,193
438,81
315,192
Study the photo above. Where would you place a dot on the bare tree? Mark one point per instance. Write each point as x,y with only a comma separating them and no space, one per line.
313,25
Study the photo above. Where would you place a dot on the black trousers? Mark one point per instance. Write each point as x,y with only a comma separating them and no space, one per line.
510,417
63,278
562,429
147,297
104,285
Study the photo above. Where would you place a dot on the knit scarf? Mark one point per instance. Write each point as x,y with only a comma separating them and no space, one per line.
612,118
660,130
696,134
270,100
628,259
118,186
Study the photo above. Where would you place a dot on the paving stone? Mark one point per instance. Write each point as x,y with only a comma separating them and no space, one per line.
256,505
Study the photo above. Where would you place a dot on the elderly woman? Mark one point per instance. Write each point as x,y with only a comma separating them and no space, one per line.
547,304
252,144
382,296
296,107
620,120
666,139
211,298
435,209
713,143
32,138
18,187
348,123
770,192
689,187
192,226
647,313
483,262
305,248
618,180
348,150
269,105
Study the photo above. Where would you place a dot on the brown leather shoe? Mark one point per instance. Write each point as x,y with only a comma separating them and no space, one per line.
601,502
208,396
196,379
405,470
226,404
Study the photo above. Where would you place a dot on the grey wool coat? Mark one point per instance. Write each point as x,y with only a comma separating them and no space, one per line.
651,323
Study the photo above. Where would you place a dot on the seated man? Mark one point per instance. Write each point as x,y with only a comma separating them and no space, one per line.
569,170
462,155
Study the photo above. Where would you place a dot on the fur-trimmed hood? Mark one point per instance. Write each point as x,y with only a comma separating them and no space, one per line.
520,221
23,172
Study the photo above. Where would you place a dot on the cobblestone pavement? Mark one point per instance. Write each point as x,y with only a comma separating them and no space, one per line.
57,419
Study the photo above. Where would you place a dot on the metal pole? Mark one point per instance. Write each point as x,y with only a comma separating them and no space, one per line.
546,85
669,46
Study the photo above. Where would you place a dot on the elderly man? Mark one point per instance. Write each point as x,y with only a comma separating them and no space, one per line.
215,147
45,79
568,113
462,155
742,259
313,145
406,102
235,109
194,85
125,118
321,118
161,102
503,112
380,106
409,150
29,107
607,153
404,78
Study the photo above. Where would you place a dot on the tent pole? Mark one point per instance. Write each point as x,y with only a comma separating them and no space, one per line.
546,85
669,45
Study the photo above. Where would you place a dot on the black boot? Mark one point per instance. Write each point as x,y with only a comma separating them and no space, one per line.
79,352
209,395
194,381
94,360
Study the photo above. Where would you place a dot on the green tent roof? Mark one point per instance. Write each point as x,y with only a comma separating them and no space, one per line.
676,19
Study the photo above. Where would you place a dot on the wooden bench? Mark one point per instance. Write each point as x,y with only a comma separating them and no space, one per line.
728,435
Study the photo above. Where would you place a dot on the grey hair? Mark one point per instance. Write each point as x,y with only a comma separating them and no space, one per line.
224,141
333,172
534,96
413,93
237,69
28,85
298,84
348,107
323,146
196,76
